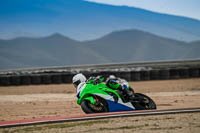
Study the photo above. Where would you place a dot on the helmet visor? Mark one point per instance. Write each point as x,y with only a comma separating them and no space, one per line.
76,83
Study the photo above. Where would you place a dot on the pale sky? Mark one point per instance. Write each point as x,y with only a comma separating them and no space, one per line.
187,8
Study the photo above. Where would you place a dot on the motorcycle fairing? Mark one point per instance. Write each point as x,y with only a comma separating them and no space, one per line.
112,98
114,106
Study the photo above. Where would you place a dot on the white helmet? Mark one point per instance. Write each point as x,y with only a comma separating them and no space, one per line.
78,78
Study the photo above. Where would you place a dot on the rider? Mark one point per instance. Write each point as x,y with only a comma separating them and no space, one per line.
112,82
79,81
119,84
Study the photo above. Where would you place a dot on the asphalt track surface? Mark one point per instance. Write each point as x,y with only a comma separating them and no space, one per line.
59,119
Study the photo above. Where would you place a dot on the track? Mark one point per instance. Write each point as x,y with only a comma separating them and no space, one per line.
51,120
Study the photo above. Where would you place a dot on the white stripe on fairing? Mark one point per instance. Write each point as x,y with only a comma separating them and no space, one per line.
108,97
80,87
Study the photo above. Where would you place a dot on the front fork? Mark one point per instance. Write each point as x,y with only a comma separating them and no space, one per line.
93,100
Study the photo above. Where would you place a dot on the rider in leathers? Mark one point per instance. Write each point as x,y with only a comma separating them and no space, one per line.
112,82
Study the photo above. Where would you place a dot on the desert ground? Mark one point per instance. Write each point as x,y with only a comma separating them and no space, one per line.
25,102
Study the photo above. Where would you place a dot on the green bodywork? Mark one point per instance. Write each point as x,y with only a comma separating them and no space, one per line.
91,88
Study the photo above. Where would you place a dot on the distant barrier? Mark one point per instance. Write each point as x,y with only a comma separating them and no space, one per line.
155,73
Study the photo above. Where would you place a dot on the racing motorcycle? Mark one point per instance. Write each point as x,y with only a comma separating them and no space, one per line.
97,97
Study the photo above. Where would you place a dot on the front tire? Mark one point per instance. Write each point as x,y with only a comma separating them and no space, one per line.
145,102
89,108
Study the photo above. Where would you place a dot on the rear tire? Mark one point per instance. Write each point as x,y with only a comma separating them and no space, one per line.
89,108
145,104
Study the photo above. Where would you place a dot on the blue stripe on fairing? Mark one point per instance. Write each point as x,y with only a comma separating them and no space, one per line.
117,107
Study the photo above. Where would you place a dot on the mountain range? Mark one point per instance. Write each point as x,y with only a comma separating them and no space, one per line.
115,47
91,33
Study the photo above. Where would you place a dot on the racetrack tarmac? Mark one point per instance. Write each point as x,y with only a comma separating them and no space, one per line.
173,123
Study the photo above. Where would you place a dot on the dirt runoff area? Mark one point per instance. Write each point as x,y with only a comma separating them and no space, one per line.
25,102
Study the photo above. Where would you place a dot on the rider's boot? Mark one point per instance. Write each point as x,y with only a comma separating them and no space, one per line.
130,94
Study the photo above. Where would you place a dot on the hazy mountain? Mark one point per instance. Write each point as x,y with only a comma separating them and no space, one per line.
119,46
54,50
84,20
193,50
195,43
134,45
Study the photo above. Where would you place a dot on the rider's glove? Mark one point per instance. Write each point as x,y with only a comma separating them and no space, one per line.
124,86
98,80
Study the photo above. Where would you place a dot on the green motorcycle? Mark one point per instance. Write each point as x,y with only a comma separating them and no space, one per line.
97,97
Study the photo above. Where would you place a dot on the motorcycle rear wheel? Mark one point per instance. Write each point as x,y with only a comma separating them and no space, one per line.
146,103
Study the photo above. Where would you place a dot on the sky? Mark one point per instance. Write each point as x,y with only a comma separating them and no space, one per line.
37,18
187,8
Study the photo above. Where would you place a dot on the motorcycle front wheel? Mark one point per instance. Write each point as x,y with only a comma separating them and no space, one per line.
99,107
